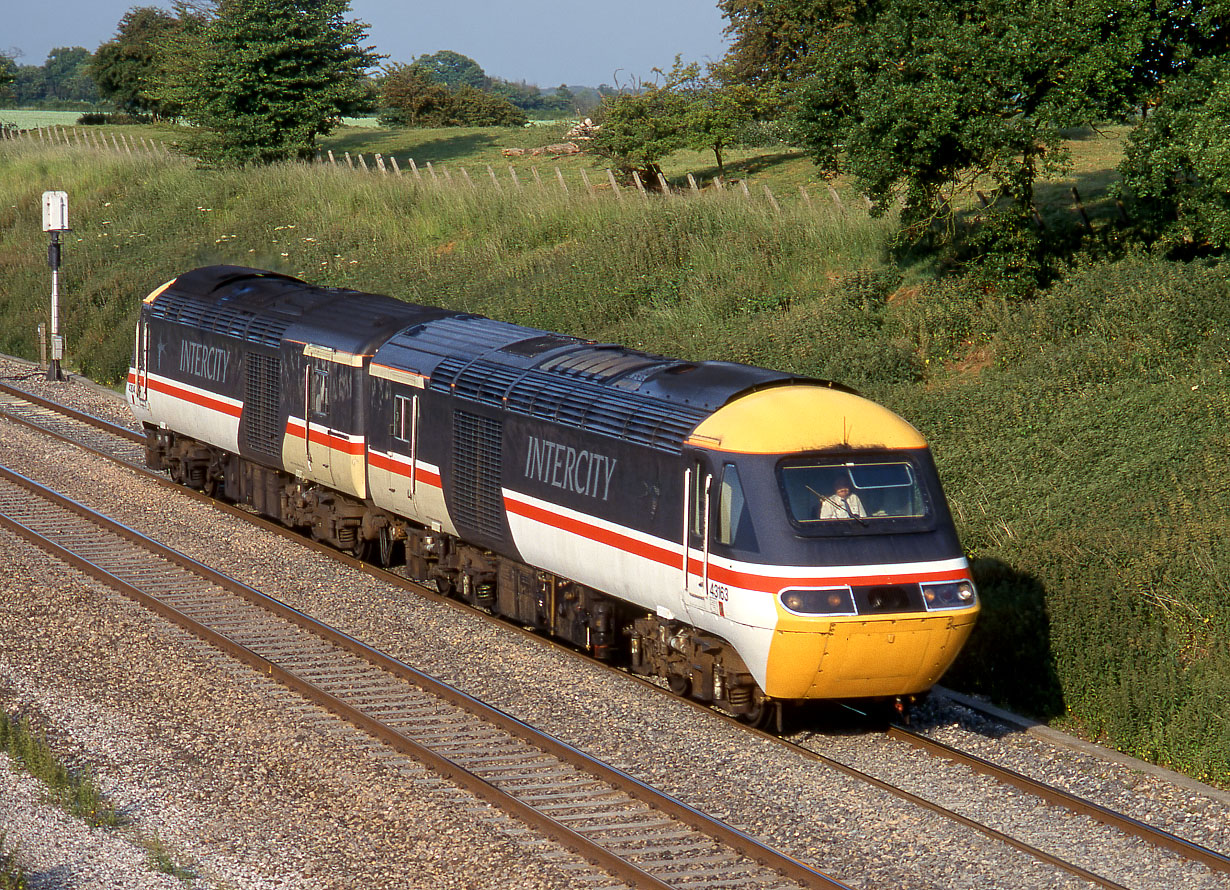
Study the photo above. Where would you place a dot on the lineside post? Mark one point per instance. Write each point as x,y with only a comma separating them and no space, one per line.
55,222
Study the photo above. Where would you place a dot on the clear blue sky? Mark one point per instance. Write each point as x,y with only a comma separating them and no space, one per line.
546,42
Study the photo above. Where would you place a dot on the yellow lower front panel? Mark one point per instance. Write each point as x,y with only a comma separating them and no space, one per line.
858,658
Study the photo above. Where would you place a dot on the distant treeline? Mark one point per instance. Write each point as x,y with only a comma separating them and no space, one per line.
73,78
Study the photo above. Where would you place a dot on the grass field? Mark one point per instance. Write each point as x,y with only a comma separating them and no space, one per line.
1080,431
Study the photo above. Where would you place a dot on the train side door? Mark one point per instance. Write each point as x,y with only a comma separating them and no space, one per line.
697,491
316,405
405,443
142,381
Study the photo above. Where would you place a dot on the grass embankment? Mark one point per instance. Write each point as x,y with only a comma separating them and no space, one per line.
1081,434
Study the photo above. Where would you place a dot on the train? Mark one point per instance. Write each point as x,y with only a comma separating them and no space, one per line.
748,537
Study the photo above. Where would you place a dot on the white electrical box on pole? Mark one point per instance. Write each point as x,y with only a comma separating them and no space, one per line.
55,222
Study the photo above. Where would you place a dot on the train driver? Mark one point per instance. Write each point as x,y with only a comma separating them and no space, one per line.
841,504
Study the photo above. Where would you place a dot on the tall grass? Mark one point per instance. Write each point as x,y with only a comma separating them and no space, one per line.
634,270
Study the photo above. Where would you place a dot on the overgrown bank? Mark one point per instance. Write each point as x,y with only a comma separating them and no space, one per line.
1080,433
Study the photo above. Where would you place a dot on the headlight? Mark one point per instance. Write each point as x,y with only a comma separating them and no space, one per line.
822,601
949,594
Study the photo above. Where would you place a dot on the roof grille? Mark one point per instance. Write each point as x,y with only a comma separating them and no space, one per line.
576,403
208,315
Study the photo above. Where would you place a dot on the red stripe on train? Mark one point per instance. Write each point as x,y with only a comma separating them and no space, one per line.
188,395
721,574
294,427
424,476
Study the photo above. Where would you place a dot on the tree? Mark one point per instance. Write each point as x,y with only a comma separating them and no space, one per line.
920,100
264,78
771,40
411,97
65,76
1176,170
637,130
126,67
454,70
8,76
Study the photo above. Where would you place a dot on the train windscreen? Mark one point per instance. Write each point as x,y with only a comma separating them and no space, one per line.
819,492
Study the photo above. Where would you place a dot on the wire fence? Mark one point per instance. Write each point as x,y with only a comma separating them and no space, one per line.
602,182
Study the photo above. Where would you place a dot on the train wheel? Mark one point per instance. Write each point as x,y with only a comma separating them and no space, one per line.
679,685
389,549
763,713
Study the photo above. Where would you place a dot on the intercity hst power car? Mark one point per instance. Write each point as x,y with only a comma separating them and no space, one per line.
751,537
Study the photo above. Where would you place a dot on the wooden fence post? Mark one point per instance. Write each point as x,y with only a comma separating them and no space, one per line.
743,186
415,168
465,174
560,176
836,198
718,184
380,164
664,185
393,160
589,189
806,197
494,181
537,178
332,160
692,183
619,195
512,174
1076,196
772,200
636,177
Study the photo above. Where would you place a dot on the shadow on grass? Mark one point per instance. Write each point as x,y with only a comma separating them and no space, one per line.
448,148
739,169
1008,657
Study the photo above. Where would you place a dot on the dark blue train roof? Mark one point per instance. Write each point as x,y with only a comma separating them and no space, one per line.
600,387
267,307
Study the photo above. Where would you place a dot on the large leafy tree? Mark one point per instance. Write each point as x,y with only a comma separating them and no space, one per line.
126,67
454,70
262,79
8,76
1176,171
771,40
410,96
65,75
919,100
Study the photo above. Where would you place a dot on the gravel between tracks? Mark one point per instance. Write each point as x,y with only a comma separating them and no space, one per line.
253,791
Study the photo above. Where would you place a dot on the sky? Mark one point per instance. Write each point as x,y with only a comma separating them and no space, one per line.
543,42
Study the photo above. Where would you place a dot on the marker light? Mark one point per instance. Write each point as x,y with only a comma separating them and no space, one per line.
949,594
821,601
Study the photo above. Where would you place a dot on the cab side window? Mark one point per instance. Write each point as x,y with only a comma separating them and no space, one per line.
319,391
734,520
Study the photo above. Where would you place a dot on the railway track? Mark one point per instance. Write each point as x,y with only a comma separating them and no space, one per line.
633,832
1054,796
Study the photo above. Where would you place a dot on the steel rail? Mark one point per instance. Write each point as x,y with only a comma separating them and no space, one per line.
578,843
106,426
1059,797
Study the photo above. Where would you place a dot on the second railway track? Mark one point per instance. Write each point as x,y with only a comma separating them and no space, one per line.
637,834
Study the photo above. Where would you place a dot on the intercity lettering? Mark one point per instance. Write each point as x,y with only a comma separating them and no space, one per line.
200,360
562,466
